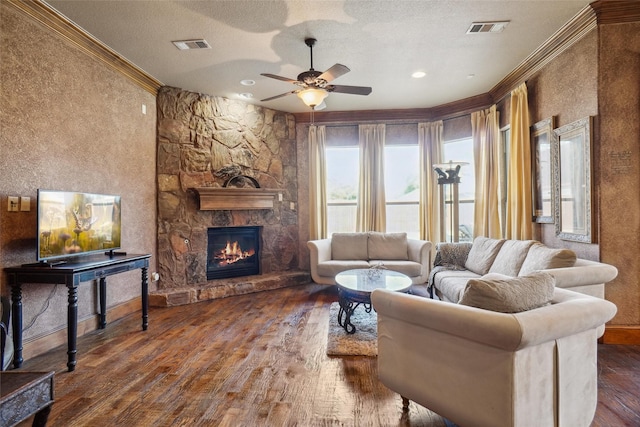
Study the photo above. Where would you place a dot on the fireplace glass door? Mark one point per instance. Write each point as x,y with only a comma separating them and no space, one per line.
233,252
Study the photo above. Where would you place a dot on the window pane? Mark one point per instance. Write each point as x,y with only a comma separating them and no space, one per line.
402,189
462,151
342,188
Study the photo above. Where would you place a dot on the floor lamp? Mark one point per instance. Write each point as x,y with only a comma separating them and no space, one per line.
448,180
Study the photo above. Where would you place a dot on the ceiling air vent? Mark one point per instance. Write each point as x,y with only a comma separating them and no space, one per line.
192,44
487,27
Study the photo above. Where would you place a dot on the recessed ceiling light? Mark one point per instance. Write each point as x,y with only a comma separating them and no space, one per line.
247,82
470,76
246,95
418,74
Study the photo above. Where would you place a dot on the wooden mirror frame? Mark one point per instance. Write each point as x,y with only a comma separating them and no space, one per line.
543,142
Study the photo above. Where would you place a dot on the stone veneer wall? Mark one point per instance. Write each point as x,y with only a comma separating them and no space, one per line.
200,139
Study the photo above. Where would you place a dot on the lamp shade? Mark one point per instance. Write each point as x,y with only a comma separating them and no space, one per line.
312,96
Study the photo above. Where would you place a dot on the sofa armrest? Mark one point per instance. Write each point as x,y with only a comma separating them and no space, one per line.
583,273
569,313
420,251
319,251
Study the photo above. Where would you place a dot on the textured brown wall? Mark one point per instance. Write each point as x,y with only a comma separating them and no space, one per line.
619,162
568,89
69,122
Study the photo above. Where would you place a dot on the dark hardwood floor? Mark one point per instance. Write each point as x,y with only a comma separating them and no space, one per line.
256,360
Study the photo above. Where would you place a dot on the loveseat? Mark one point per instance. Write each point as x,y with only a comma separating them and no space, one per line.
346,251
477,367
456,263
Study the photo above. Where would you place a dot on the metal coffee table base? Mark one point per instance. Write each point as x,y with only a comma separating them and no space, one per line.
347,306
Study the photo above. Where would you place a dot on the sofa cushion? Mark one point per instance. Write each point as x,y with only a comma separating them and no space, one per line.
450,284
388,246
541,257
333,267
483,251
349,246
410,268
497,292
511,257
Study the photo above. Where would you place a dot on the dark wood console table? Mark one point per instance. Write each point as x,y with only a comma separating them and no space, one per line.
23,394
72,274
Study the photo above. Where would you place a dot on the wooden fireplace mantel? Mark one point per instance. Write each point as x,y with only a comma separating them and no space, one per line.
225,198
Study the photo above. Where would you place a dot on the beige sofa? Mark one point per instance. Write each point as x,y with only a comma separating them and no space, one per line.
456,263
482,368
346,251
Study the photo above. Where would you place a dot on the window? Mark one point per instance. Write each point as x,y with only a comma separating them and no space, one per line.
402,189
461,150
342,188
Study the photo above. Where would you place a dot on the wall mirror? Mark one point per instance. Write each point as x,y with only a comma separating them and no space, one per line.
543,142
572,181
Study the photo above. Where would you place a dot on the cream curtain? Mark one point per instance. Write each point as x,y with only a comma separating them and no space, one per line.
485,131
430,152
317,184
519,198
371,211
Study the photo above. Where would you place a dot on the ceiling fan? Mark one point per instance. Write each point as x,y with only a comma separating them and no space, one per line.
314,85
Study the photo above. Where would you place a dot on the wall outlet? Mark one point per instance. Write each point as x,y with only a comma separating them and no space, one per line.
25,204
13,204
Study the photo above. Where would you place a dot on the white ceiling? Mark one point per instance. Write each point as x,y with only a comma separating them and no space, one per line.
381,41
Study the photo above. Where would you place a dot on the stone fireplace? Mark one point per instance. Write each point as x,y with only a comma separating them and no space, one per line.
233,252
203,142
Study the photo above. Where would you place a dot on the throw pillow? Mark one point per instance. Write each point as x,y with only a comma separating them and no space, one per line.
505,294
349,246
483,251
541,257
391,246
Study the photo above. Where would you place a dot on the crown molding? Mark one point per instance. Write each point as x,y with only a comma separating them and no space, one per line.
50,18
573,31
616,11
409,115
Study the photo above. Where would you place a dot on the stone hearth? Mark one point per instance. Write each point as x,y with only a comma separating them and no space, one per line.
223,288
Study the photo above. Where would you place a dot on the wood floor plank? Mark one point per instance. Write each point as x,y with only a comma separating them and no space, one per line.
256,360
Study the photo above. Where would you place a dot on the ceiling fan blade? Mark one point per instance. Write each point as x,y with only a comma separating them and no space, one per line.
279,96
284,79
334,72
354,90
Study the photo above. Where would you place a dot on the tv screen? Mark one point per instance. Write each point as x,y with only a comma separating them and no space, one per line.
72,224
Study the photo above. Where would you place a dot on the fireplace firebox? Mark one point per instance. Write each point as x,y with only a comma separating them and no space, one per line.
233,251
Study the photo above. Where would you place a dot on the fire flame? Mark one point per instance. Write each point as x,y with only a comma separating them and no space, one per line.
232,253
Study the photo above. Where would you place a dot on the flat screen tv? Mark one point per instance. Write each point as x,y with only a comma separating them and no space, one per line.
72,224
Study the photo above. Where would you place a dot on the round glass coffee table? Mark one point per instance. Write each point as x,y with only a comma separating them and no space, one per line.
355,287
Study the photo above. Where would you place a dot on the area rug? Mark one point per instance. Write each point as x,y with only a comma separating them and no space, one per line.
364,342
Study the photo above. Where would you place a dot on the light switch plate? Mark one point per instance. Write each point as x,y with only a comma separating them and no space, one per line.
13,204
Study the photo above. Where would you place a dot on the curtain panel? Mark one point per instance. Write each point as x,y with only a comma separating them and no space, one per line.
485,127
371,210
431,152
519,222
317,183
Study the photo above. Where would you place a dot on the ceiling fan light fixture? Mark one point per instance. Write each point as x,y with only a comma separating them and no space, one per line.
312,96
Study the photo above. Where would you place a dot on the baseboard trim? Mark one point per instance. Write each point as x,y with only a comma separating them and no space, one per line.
628,335
43,344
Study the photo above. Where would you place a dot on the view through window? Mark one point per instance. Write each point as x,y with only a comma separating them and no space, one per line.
401,187
461,150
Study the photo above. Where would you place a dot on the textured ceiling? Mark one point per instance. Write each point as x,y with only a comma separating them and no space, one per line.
381,41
